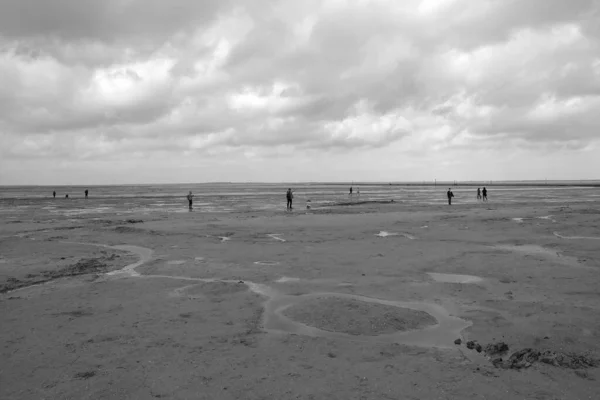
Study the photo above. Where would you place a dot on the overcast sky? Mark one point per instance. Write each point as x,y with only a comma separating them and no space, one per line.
153,91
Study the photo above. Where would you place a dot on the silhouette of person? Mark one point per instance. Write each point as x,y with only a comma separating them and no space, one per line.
450,196
86,193
54,194
290,197
478,193
66,196
484,191
190,198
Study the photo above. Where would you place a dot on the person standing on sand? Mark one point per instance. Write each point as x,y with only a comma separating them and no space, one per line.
66,196
290,197
450,196
86,193
350,194
484,194
190,198
54,194
478,194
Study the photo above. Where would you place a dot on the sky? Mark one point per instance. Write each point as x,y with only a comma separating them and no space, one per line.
153,91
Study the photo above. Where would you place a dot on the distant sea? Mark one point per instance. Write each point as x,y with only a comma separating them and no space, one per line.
252,197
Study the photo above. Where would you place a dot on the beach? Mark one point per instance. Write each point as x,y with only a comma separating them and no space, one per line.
393,295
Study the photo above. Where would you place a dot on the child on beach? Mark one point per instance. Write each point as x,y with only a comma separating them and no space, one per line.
450,196
478,194
484,191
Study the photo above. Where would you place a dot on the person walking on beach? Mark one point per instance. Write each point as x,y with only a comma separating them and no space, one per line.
290,197
450,196
86,193
54,194
484,194
190,198
350,194
478,194
66,196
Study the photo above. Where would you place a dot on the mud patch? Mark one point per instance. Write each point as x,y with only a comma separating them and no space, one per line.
127,229
356,317
217,288
83,266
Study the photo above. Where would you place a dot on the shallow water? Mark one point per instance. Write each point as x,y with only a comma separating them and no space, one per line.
161,199
276,236
454,278
558,235
442,334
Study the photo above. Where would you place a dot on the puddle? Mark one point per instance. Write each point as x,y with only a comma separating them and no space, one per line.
386,234
532,249
199,259
276,236
518,220
224,238
454,278
176,262
266,262
558,235
285,279
548,218
443,334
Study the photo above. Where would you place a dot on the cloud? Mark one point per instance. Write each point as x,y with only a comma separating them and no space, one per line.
229,83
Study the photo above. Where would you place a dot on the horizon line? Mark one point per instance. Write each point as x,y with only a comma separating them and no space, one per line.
365,182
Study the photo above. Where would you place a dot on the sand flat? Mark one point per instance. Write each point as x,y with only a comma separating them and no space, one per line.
195,329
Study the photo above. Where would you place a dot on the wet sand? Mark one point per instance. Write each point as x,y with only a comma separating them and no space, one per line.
319,304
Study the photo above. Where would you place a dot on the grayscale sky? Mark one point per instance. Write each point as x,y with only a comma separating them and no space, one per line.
141,91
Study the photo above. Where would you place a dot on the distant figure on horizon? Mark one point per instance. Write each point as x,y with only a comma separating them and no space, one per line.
290,197
478,193
350,194
484,191
54,194
66,196
190,198
450,196
86,193
358,193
